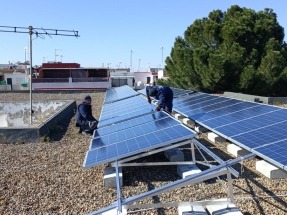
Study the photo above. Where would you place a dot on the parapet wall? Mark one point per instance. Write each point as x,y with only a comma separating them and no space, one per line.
33,133
254,98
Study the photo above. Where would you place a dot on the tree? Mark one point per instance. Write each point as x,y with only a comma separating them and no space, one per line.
238,50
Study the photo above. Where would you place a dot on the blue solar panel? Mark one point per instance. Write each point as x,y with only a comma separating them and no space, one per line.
255,122
130,132
192,98
195,109
123,107
142,91
234,113
275,152
261,136
137,144
120,118
177,92
129,123
118,93
256,127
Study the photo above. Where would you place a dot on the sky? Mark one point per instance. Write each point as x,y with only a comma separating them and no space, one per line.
115,33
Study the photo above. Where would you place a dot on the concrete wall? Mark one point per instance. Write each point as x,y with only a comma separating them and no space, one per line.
254,98
33,134
141,78
73,85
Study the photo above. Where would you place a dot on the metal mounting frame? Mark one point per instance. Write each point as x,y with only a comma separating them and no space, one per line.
224,168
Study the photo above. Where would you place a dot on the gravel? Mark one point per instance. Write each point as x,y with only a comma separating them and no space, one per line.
48,178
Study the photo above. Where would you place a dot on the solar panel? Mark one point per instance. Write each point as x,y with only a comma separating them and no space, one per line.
134,140
177,92
120,118
274,153
124,109
142,91
256,127
124,106
227,112
267,134
195,97
199,106
254,122
155,125
118,93
129,123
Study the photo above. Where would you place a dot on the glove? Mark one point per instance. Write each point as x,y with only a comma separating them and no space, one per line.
149,100
158,108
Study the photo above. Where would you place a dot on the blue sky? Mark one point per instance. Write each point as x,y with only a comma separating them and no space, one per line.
109,29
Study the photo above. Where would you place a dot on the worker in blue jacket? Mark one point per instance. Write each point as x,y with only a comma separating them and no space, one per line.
163,94
84,117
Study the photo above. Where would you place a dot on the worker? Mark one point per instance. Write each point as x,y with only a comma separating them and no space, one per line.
163,94
84,117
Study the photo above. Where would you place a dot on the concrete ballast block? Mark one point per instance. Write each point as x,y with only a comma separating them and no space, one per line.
114,211
200,129
110,177
229,209
215,138
269,170
191,210
178,116
188,122
174,155
236,150
186,170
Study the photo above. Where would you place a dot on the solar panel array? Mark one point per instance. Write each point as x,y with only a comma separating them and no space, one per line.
124,109
256,127
177,92
129,126
119,93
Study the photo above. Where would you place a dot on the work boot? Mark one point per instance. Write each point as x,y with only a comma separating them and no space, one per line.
87,134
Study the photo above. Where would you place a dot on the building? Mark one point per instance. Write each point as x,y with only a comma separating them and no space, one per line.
122,76
71,76
58,75
13,77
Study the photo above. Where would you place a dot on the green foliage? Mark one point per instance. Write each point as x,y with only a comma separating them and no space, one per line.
238,50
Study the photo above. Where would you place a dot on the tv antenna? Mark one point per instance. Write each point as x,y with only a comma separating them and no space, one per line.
39,32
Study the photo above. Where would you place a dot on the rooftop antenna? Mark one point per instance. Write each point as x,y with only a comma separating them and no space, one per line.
39,32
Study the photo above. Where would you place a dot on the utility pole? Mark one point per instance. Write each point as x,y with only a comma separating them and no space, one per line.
162,56
39,32
131,65
25,54
44,59
139,64
56,54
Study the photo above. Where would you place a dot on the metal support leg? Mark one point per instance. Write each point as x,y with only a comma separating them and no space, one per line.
230,186
119,200
192,152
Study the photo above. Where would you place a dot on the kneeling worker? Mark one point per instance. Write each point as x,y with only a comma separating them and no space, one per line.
84,117
163,94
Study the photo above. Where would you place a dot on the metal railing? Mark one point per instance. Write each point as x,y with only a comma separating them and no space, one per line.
91,79
50,80
66,80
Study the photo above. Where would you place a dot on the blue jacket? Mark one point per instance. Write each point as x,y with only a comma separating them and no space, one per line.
84,114
164,96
